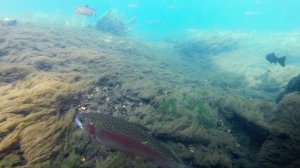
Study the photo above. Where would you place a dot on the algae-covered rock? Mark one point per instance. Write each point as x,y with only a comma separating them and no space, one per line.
282,147
245,120
292,86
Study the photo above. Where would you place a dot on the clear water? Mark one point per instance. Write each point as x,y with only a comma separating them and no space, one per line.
171,17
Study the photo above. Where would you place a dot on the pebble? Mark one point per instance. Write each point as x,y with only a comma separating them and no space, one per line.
83,108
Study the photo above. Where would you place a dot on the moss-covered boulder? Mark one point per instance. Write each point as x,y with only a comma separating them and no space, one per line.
292,86
282,147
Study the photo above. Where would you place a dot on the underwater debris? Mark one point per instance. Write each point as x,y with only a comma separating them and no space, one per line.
112,22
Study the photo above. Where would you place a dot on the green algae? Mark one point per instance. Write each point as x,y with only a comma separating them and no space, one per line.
189,102
188,105
9,161
196,106
169,106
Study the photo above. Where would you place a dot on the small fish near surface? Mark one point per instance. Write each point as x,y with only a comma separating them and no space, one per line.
127,137
85,11
272,58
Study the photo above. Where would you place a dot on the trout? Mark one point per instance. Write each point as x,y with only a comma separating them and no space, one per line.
124,136
85,11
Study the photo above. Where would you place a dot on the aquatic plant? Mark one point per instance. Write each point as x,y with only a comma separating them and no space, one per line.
10,74
204,114
168,106
10,160
190,102
43,64
34,117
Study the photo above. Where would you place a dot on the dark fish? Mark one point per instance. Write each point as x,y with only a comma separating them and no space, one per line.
272,58
85,11
127,137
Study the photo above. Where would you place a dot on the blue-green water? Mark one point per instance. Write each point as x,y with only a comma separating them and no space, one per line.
171,17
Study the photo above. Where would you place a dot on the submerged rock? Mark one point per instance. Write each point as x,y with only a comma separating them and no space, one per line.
282,147
245,121
292,86
112,23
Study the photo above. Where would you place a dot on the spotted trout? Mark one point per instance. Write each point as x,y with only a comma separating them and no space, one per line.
127,137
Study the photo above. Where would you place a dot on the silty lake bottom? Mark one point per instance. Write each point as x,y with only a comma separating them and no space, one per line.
212,99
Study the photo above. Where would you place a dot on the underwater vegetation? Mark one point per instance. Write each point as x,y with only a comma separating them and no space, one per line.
281,148
209,120
191,105
168,106
13,74
34,119
10,161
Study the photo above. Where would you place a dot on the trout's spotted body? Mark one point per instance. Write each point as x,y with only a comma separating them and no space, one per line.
128,137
